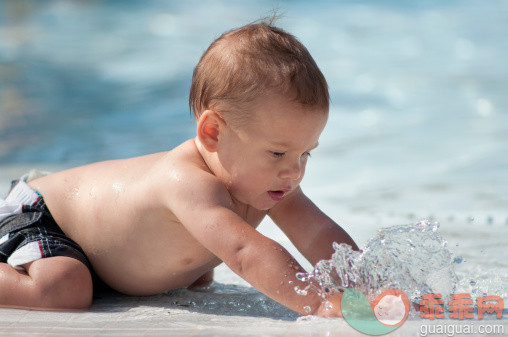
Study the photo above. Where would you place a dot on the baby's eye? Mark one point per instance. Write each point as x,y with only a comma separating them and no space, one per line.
278,154
306,154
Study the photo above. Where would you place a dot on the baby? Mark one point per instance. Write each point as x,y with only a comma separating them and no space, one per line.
163,221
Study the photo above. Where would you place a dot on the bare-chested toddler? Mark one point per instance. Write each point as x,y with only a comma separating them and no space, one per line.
149,224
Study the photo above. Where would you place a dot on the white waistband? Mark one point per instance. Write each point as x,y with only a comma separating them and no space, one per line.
20,195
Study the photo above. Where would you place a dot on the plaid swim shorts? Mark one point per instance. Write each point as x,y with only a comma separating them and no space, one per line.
28,231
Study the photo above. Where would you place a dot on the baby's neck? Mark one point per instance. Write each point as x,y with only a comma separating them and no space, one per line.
209,158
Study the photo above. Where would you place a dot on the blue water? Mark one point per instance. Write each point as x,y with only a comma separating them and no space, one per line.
419,117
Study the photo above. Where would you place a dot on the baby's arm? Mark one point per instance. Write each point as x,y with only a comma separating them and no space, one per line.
203,208
309,229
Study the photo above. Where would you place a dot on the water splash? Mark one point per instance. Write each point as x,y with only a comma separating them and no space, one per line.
413,258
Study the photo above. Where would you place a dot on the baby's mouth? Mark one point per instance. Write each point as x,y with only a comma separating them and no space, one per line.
276,195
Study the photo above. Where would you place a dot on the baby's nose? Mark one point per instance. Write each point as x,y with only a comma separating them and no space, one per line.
292,172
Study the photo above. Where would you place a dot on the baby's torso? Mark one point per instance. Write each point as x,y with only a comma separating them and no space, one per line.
115,211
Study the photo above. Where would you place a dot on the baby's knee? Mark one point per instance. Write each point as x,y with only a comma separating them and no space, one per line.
68,287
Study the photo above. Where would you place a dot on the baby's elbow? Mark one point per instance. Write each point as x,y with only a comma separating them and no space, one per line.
238,258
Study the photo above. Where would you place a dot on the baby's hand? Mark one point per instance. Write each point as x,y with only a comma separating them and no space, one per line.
330,308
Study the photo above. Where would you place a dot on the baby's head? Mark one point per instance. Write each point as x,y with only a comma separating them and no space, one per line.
245,64
261,103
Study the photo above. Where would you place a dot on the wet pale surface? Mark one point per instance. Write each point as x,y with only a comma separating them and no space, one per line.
166,315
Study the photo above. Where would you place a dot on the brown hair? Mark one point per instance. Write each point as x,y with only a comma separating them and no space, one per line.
245,63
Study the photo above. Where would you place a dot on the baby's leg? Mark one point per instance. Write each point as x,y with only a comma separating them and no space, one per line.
57,282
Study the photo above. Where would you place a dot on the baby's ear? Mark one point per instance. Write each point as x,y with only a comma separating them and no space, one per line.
209,124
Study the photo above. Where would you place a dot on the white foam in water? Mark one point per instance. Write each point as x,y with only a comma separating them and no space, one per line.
413,258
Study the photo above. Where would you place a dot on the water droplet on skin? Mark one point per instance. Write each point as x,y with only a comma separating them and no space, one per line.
75,191
72,193
302,292
118,188
93,193
301,276
328,305
307,309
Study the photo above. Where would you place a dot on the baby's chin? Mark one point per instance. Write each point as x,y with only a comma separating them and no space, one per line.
262,206
262,202
259,202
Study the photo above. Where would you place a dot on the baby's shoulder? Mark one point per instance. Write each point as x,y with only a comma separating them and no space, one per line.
185,173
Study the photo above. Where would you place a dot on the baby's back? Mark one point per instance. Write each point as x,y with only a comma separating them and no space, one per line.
116,212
